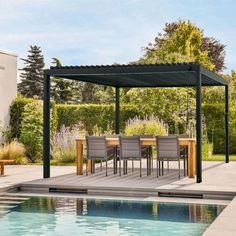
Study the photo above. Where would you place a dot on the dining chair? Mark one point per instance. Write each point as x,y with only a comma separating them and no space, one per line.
97,150
147,153
130,150
168,149
184,153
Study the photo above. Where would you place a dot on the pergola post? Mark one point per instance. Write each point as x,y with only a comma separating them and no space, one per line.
226,123
198,124
117,119
46,127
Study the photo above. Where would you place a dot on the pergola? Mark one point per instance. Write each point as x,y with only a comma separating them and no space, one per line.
137,76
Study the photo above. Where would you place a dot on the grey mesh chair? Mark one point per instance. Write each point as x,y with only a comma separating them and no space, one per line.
114,151
184,154
147,153
97,151
130,150
167,150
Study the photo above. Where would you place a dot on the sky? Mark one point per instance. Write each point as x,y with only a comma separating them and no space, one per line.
96,32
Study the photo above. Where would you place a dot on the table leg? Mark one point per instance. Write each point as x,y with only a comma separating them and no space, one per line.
79,147
191,159
1,168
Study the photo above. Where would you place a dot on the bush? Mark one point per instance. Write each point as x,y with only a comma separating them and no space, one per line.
215,123
63,145
32,130
207,150
13,151
17,108
94,117
148,126
26,124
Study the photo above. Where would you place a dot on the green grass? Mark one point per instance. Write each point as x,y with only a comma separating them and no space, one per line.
219,157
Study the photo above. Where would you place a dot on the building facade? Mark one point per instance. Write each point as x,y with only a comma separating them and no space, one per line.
8,86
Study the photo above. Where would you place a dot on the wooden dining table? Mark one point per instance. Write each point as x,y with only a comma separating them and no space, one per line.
183,142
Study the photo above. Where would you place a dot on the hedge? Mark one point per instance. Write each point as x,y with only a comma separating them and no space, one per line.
215,123
91,116
102,117
16,111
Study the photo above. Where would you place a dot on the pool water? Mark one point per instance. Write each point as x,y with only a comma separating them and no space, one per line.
71,216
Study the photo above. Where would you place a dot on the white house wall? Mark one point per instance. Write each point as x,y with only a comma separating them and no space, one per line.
8,85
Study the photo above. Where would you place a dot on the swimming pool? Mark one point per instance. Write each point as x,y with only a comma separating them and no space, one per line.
85,216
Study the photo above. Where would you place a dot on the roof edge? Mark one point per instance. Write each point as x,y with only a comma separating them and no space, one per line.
8,53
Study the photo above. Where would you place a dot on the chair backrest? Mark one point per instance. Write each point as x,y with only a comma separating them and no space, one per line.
130,147
180,135
96,147
168,147
146,136
112,135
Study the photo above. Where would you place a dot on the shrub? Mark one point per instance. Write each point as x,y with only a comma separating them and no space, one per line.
94,117
148,126
16,110
13,151
207,150
215,123
32,130
63,145
26,124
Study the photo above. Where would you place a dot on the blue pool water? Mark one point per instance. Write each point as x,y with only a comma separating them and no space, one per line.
70,216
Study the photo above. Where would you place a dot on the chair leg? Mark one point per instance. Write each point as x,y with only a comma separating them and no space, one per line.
140,167
157,168
120,167
106,167
127,167
123,167
159,164
162,166
132,166
184,166
179,167
101,165
147,166
87,167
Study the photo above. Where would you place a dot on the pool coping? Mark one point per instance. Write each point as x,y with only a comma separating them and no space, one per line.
224,224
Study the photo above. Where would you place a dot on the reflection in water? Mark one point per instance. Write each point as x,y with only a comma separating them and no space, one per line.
44,214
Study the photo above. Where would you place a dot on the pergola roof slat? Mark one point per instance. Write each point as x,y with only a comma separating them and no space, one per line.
153,75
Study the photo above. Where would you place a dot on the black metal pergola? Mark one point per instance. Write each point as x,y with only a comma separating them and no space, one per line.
136,76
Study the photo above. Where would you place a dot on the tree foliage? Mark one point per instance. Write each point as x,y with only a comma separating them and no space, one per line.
62,90
31,84
181,45
184,42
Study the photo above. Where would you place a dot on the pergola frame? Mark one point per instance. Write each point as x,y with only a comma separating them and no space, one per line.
130,76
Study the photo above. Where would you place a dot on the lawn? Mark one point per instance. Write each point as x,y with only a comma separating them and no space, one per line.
219,157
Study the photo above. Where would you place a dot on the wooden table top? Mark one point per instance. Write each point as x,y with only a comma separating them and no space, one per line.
144,141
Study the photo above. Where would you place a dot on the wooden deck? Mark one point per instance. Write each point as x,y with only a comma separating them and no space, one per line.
218,182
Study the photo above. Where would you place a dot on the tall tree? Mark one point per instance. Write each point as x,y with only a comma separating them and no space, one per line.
31,84
182,46
215,50
62,90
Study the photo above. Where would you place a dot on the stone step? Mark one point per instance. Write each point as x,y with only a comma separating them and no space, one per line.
3,212
2,207
10,202
13,198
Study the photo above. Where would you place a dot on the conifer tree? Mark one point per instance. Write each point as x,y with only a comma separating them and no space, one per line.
62,90
31,84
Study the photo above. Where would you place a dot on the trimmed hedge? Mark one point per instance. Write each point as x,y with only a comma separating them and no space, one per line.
17,109
102,117
215,122
91,116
